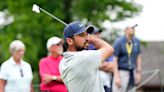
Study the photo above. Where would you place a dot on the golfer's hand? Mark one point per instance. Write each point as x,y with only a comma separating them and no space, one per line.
138,78
90,38
47,78
118,82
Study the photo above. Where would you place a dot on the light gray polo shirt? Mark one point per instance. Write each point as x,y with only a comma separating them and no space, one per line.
80,71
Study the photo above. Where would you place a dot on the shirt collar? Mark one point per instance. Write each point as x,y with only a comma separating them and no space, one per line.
50,56
69,53
14,63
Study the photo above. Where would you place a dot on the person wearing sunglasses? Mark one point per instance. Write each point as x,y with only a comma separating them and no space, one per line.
15,73
48,67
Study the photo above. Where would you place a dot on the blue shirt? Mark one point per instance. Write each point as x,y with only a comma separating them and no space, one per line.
92,47
122,55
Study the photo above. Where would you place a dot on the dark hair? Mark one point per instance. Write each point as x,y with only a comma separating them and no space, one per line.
65,45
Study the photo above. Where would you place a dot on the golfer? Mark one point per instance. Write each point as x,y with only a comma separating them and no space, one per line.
79,68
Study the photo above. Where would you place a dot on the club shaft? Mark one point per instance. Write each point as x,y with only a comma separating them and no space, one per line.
53,16
135,25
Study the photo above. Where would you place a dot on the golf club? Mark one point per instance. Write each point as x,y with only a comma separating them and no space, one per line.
37,9
135,26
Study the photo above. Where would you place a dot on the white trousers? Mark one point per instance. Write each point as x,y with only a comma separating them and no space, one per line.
124,75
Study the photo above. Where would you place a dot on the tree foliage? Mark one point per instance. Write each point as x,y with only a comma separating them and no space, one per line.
34,29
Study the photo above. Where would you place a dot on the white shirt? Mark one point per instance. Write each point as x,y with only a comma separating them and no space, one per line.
80,71
106,78
11,72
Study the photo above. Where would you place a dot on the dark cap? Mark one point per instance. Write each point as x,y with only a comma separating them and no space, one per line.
132,27
76,28
96,30
135,26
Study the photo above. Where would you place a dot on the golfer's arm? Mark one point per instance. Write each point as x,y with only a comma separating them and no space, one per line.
139,65
108,67
2,85
106,49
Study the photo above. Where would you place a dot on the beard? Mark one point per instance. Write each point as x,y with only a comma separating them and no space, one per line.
79,48
84,47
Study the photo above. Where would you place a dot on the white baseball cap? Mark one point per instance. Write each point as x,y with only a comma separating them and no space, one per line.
53,41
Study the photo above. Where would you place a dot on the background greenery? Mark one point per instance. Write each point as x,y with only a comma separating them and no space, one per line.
34,29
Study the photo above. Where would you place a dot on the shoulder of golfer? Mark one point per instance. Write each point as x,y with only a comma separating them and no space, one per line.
105,48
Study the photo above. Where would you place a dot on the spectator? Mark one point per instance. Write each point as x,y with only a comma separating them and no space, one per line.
128,61
48,67
15,73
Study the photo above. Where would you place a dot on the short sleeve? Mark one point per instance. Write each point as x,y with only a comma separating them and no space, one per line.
30,69
3,72
43,67
91,58
116,48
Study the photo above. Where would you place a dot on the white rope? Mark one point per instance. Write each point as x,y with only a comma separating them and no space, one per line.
154,73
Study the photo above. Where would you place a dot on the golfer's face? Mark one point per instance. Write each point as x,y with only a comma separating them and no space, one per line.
80,41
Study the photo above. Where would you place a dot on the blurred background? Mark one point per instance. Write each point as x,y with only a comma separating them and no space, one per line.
17,21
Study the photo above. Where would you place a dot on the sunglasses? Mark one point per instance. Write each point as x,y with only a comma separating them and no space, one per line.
21,72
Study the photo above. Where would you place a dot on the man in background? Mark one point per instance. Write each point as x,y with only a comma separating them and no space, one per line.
48,67
127,59
107,67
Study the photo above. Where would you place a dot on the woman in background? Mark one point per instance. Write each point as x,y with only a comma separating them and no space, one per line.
15,73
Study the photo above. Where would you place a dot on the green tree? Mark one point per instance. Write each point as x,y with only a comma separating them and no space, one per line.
34,29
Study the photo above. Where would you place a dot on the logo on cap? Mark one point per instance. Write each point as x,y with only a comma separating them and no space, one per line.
80,25
75,28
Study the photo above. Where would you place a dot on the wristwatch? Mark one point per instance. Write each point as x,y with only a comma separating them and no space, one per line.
54,77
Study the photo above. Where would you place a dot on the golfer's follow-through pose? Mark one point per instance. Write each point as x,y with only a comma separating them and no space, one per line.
79,67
